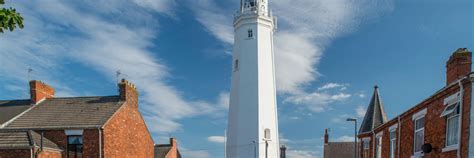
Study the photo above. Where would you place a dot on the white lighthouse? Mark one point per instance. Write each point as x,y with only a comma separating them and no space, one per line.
253,123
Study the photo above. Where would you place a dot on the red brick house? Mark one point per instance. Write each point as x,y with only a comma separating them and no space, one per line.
337,149
74,127
167,150
439,126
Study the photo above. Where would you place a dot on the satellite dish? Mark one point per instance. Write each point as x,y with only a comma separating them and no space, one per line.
427,148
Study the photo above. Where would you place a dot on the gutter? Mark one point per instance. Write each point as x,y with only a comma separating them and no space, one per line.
373,144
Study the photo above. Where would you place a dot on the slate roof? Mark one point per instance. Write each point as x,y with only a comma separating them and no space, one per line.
339,150
24,140
11,108
375,115
162,150
68,113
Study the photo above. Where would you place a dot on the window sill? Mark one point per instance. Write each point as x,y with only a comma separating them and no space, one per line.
418,155
450,148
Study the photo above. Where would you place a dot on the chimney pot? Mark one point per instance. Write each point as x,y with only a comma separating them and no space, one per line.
326,136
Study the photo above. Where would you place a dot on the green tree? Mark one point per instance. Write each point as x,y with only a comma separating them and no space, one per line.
9,18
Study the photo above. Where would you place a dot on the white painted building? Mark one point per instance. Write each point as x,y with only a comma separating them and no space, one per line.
253,122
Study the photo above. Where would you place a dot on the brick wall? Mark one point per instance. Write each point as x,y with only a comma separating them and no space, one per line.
50,154
125,134
19,153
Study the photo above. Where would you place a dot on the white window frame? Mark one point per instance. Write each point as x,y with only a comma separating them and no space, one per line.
420,115
378,145
393,141
452,104
452,146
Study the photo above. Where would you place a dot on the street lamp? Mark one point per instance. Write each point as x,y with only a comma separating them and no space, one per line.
355,134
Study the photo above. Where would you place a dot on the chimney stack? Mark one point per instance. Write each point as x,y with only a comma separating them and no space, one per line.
283,151
173,142
40,91
458,65
174,148
326,136
128,92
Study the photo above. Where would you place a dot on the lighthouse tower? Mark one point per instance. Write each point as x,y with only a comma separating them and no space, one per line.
253,123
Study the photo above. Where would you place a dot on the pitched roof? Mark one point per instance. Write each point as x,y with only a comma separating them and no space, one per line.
36,139
375,115
68,113
11,108
23,140
14,140
339,150
162,150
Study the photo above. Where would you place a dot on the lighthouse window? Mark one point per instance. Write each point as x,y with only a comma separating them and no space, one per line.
236,65
267,134
250,33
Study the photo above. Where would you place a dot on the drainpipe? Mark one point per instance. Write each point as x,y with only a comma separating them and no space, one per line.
100,142
399,135
373,143
461,96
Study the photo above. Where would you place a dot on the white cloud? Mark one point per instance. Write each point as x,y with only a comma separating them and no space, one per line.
195,154
216,20
216,139
301,154
340,119
317,101
360,111
162,6
345,139
332,86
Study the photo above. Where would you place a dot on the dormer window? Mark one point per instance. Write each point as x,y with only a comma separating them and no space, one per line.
250,33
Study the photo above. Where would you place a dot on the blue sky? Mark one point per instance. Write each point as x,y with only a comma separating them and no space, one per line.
329,55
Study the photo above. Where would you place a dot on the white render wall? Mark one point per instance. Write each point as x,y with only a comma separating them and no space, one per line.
253,92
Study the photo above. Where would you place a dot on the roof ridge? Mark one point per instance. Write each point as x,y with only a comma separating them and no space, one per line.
16,100
81,97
